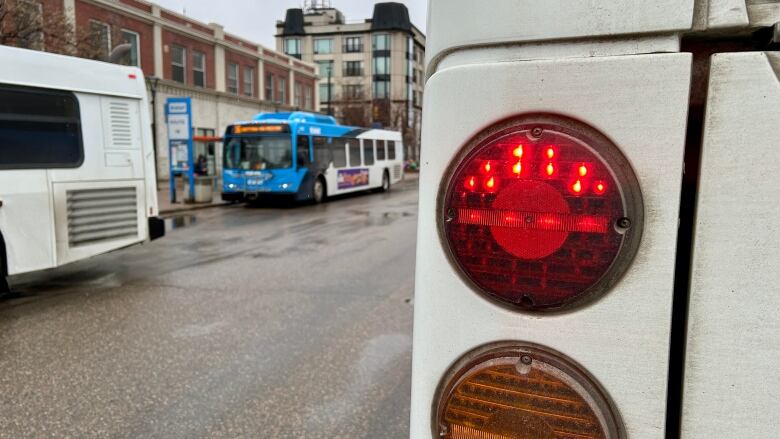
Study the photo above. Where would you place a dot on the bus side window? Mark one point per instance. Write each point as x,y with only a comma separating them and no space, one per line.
322,157
39,129
354,152
338,150
303,151
391,150
368,152
380,149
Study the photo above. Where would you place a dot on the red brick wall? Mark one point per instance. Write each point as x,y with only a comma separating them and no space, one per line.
137,5
189,23
279,73
190,44
242,61
86,12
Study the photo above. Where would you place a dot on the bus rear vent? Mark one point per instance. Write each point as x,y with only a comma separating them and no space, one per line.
396,172
121,128
99,215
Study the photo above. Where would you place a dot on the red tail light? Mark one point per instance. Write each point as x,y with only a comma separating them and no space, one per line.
541,212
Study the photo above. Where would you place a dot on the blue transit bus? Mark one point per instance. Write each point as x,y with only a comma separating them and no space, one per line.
307,157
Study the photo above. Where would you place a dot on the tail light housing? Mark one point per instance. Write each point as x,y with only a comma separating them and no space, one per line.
541,213
513,390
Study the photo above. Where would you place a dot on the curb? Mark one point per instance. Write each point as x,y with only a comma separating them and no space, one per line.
191,208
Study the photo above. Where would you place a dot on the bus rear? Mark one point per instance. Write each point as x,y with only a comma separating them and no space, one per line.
597,252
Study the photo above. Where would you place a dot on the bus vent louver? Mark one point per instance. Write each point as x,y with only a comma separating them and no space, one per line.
396,171
121,128
100,215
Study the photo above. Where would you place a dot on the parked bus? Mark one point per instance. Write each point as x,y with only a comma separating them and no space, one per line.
306,156
77,175
598,230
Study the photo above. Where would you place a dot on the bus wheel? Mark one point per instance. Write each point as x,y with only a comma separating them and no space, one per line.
318,191
385,183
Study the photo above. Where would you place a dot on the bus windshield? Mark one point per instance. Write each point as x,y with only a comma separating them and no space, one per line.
258,153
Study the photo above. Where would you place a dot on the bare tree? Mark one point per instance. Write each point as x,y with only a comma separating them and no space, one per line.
354,110
408,128
23,23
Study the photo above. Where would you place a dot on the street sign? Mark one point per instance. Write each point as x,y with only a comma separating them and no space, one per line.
178,113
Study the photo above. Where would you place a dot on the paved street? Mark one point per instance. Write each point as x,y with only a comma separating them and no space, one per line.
249,322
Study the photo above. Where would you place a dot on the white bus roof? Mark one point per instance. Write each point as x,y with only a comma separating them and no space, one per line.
40,69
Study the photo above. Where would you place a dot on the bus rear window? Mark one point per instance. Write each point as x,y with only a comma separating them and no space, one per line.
39,129
258,153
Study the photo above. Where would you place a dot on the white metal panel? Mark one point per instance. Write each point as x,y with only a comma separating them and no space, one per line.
39,69
458,23
26,220
67,253
641,103
731,379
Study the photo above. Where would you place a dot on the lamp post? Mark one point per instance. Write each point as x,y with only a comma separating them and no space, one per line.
153,81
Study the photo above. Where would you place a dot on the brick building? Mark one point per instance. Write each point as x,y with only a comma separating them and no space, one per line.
228,78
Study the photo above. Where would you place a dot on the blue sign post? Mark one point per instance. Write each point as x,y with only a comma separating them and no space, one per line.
178,112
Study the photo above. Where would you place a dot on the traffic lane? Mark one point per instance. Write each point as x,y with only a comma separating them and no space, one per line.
188,337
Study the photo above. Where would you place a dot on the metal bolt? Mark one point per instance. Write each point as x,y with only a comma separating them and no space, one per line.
450,217
624,223
525,359
529,219
537,132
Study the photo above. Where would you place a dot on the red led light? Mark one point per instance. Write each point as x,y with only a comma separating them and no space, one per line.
490,183
542,238
132,76
518,152
576,187
470,183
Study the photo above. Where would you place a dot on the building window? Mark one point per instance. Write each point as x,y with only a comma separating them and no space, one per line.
325,68
353,91
381,89
198,69
249,81
325,92
353,68
292,47
298,98
382,42
353,44
232,78
323,45
178,63
100,39
382,65
282,94
269,87
39,129
133,57
308,98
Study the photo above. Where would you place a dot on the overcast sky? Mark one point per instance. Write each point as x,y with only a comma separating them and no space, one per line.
256,19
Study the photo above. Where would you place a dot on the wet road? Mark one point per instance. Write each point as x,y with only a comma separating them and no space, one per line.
252,322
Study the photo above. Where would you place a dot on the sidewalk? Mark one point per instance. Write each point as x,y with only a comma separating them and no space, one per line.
168,208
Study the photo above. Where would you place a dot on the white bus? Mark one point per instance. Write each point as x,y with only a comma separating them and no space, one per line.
598,245
77,175
306,156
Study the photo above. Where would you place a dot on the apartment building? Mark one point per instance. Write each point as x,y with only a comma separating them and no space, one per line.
229,78
370,71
